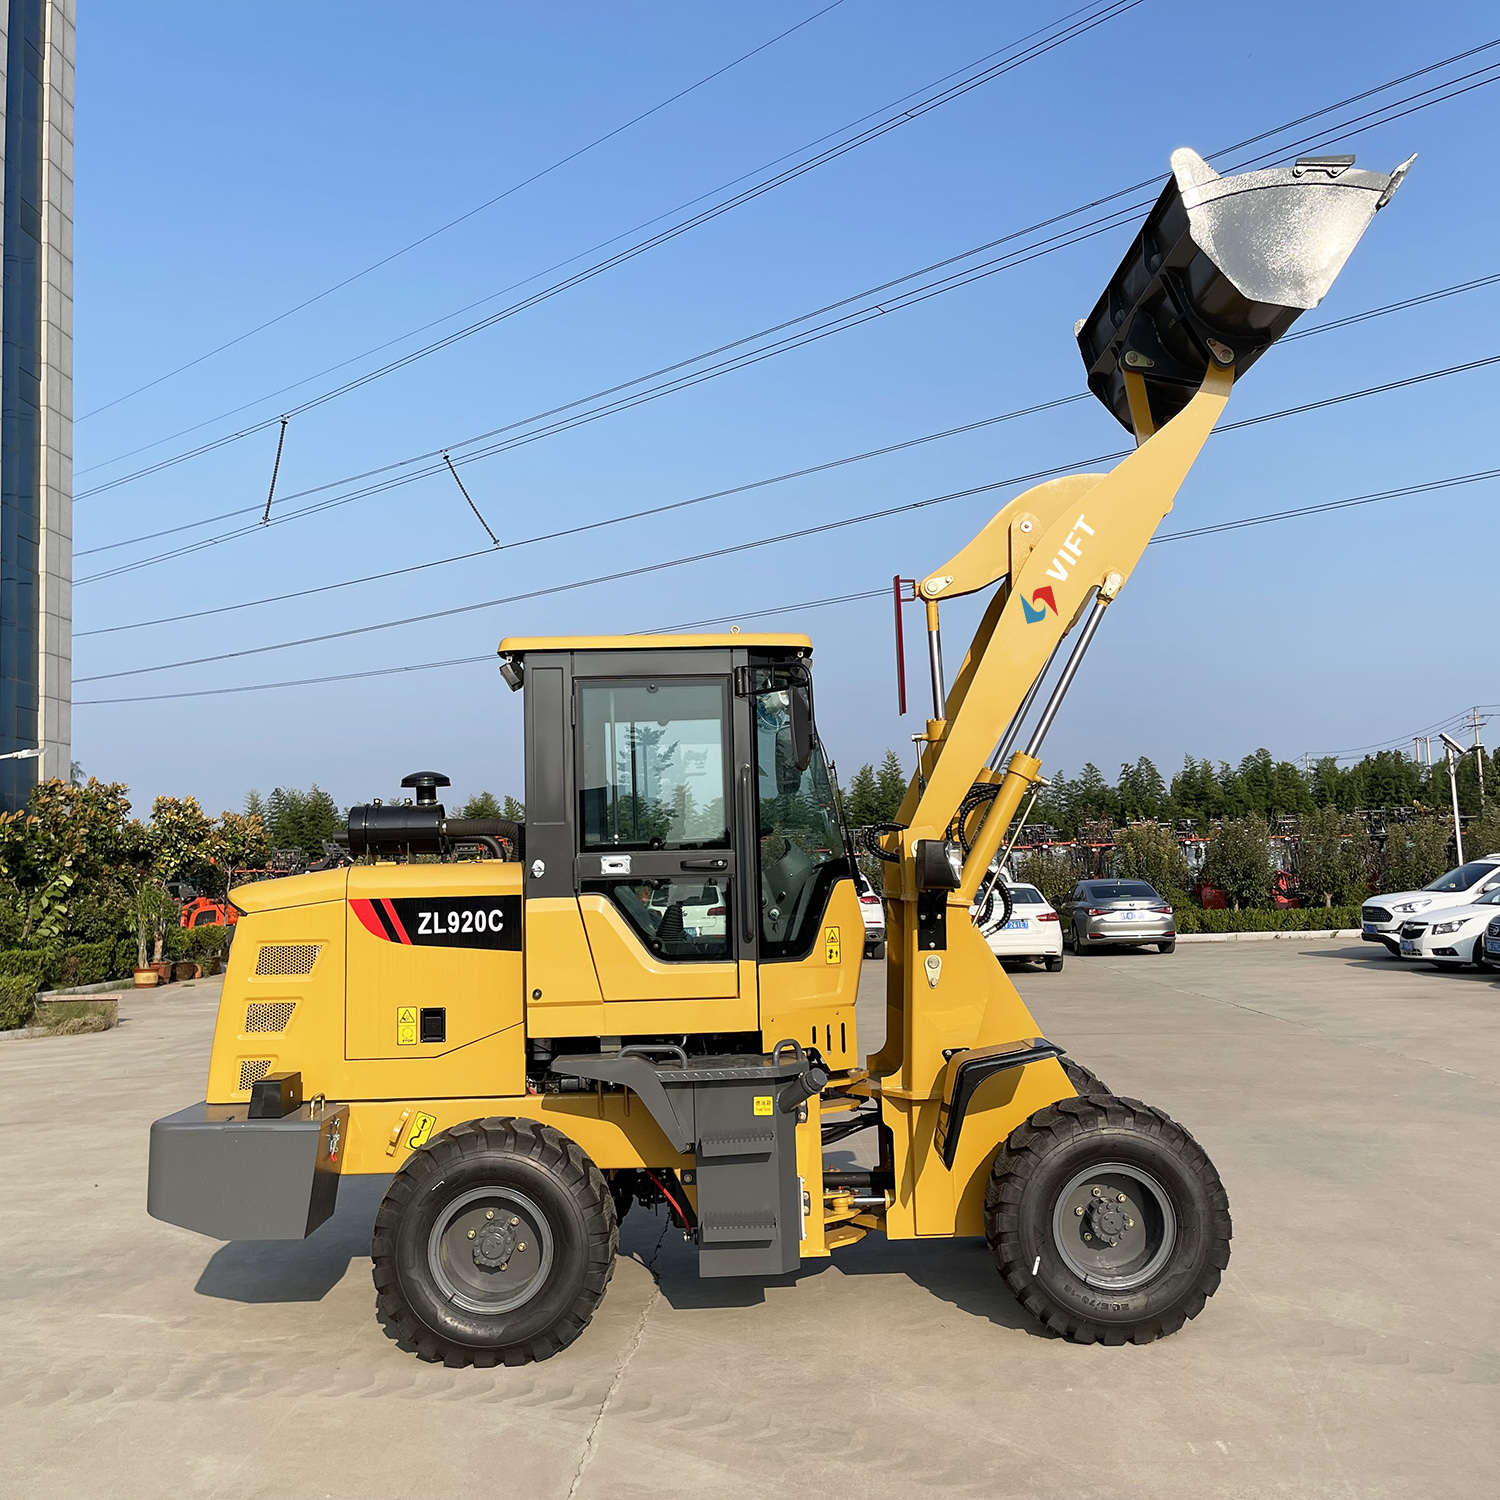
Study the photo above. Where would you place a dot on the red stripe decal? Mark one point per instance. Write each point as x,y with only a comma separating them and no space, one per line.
365,911
395,922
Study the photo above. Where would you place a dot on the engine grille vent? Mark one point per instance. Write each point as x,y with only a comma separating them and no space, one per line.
282,959
253,1072
272,1015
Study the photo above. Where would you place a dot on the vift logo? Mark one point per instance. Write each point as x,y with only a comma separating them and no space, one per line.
1067,558
1041,598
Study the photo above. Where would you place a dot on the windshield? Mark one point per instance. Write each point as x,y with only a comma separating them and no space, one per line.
1462,878
801,846
1120,890
1490,898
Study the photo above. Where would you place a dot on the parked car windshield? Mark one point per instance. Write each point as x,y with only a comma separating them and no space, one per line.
1121,890
1027,895
1463,877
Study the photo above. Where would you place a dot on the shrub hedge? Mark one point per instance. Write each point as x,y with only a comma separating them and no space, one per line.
1273,919
17,1000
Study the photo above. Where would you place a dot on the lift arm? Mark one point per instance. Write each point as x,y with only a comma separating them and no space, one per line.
1219,271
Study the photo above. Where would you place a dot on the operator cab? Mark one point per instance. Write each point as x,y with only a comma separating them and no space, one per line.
678,780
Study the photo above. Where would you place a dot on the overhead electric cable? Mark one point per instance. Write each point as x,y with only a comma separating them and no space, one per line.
1069,30
1343,131
525,182
737,547
655,510
882,592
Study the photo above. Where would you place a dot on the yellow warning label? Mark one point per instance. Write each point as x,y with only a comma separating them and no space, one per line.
421,1128
762,1104
406,1026
830,945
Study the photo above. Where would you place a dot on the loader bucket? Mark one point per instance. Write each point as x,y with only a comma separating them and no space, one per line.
1220,270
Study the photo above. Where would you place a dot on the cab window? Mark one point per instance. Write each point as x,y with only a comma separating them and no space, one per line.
801,847
653,764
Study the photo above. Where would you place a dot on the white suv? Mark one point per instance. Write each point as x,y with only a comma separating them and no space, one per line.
1381,916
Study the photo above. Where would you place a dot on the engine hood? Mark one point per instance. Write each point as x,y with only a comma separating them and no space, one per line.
291,890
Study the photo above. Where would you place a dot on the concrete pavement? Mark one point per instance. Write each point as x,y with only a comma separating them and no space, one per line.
1350,1103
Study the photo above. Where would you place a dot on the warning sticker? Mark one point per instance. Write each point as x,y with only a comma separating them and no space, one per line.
830,945
406,1026
762,1104
421,1128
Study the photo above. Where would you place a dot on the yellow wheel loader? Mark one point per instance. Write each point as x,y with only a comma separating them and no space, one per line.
652,998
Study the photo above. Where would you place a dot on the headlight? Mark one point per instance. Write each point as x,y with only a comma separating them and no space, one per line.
1438,928
1415,905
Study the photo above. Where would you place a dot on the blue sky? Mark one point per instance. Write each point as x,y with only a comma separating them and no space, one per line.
233,161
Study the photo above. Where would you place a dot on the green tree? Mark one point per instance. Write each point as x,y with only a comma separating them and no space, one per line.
1416,853
513,810
239,842
1333,857
1146,851
301,820
890,787
1054,874
66,833
1239,863
862,802
1140,791
481,805
255,805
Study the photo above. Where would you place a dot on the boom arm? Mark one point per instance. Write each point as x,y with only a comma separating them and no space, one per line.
1220,270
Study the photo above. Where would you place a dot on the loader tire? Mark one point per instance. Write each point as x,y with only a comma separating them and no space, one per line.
1089,1263
1084,1080
494,1244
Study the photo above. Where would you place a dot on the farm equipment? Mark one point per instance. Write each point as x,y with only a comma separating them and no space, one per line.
655,1002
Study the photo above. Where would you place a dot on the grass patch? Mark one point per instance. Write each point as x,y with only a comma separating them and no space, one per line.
74,1017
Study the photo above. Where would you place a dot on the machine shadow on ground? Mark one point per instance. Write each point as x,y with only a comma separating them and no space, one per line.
959,1272
298,1270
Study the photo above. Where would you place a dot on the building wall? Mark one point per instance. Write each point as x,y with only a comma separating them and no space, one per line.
36,237
56,560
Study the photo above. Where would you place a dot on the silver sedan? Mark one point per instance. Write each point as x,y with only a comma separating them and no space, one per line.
1100,912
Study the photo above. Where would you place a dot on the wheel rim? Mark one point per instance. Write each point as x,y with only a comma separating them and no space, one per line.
490,1250
1114,1226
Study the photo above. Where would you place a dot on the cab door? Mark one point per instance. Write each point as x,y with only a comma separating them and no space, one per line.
656,858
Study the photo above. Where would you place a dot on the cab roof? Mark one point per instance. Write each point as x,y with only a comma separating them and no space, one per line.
519,645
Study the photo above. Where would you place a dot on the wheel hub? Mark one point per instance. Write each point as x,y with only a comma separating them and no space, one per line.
1114,1226
490,1250
493,1246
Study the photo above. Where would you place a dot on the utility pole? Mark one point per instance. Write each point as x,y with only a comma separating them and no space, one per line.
1454,750
1416,748
1478,755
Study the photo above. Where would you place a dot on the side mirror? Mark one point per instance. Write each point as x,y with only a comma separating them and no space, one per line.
802,727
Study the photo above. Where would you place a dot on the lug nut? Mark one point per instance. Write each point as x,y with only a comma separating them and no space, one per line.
1130,1223
1098,1192
489,1213
471,1234
1087,1235
1079,1212
514,1222
1121,1197
522,1245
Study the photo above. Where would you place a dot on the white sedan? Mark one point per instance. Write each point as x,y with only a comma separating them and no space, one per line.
1033,930
1452,936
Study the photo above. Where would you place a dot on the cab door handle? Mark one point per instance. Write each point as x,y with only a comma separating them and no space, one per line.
705,864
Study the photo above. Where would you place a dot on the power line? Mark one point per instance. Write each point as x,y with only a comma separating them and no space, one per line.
841,324
878,593
733,548
676,505
1461,718
469,214
1070,30
1343,131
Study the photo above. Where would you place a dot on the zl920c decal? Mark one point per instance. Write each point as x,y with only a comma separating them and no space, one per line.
444,921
